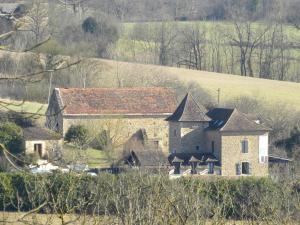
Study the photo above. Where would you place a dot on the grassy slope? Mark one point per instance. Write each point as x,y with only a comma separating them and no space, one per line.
29,107
232,86
268,91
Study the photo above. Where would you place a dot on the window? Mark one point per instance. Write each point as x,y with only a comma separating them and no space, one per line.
156,144
246,168
213,147
197,148
244,146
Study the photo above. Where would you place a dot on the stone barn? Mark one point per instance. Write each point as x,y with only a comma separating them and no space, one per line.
41,141
132,109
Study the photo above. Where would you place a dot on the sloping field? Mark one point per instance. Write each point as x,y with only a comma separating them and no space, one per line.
28,107
231,86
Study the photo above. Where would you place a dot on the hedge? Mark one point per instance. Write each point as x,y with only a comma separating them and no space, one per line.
142,195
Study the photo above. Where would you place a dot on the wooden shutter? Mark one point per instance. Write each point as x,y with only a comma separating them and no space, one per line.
250,168
238,169
246,146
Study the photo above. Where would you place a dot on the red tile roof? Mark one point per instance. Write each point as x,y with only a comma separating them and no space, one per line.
103,101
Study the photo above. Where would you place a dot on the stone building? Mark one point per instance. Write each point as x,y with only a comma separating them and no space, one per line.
239,144
43,142
129,109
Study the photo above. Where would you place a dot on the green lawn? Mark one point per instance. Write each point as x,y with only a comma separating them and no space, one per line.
27,107
93,157
96,158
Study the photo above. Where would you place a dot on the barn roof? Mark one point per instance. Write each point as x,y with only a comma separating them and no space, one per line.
224,119
38,133
189,110
118,101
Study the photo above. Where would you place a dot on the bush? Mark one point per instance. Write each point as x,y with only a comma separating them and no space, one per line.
11,136
78,135
90,25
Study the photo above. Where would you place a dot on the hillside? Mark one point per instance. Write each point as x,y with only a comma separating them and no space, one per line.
231,86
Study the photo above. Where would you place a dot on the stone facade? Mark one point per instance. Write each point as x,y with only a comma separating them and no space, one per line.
226,147
232,153
187,137
213,143
128,109
47,147
156,127
226,137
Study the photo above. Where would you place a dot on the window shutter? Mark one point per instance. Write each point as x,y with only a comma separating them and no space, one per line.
238,168
250,168
242,146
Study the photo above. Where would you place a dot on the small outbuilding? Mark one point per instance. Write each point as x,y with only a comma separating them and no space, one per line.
41,141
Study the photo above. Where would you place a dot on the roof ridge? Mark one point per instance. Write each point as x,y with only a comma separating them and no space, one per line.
199,106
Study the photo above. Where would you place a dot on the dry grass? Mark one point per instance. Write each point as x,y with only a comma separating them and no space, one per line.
54,219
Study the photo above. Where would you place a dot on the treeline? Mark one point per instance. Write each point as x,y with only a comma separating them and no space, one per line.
246,47
257,38
182,10
249,38
135,198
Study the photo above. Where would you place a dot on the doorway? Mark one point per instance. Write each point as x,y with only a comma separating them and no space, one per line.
38,149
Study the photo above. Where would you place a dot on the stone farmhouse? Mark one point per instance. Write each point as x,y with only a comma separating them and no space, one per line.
235,142
223,137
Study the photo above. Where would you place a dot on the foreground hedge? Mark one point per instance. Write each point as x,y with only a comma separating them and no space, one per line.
150,199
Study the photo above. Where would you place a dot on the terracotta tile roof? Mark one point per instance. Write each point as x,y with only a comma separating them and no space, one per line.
189,110
232,120
119,101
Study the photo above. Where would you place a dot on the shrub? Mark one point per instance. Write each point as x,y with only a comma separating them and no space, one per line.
90,25
11,136
78,135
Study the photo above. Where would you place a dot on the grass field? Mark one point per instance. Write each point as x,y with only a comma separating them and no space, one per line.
93,157
231,86
28,107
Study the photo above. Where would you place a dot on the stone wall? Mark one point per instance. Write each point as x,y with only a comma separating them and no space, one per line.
214,136
174,137
193,137
54,117
232,154
187,137
123,127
